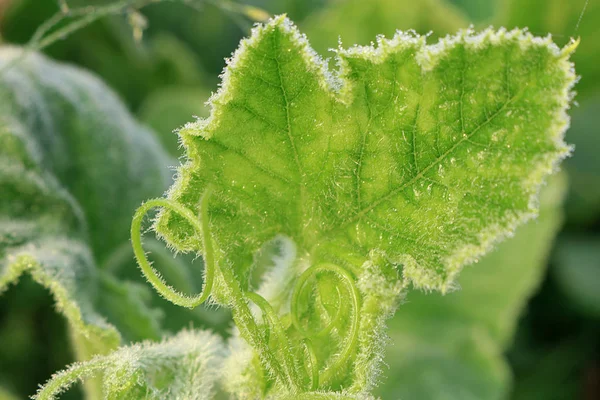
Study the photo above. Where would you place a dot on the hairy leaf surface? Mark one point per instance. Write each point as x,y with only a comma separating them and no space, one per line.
429,154
182,367
399,167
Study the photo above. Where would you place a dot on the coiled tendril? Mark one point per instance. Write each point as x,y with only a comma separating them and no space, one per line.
287,370
351,342
200,226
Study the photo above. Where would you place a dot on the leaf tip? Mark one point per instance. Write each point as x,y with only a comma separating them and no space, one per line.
570,47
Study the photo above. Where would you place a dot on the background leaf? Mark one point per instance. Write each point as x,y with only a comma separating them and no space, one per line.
66,162
182,367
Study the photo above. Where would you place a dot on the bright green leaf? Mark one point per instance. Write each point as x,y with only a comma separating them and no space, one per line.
430,154
563,19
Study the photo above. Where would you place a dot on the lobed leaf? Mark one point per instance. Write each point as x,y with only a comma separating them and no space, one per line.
429,154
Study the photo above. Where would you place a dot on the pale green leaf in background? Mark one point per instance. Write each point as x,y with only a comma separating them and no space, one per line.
6,395
69,152
477,10
583,203
182,367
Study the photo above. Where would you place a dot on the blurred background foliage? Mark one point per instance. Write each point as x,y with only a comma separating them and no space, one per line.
526,324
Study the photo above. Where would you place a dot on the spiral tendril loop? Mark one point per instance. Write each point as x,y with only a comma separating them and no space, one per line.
274,333
352,339
155,279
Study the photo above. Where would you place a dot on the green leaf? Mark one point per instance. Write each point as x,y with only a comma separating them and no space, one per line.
461,362
360,22
406,163
429,154
444,347
562,19
184,366
552,372
125,304
69,155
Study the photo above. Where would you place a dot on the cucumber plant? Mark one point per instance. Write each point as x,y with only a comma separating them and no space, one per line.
395,170
387,173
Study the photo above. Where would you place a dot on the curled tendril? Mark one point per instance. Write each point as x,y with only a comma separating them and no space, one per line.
200,226
288,374
287,369
352,340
